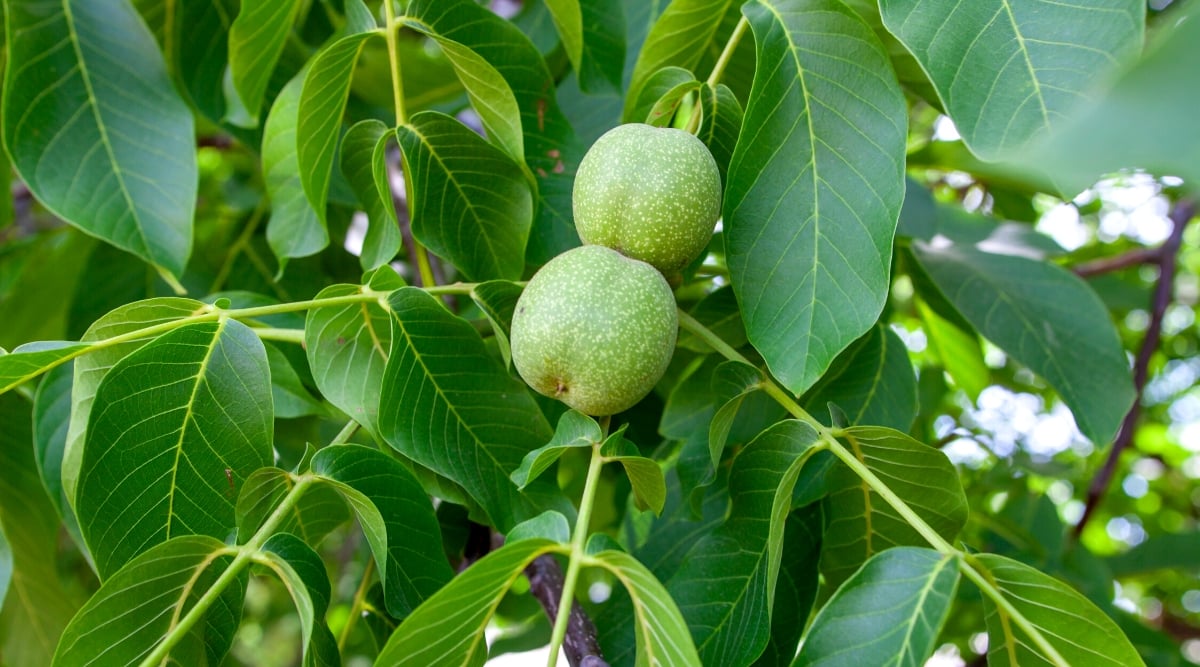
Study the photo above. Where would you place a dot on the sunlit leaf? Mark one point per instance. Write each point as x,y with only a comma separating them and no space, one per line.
574,429
859,523
1076,629
171,424
256,39
347,347
889,613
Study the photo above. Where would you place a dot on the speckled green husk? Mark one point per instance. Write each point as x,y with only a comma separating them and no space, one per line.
595,330
650,193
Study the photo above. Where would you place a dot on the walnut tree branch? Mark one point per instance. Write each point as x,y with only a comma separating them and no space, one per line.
580,644
1181,214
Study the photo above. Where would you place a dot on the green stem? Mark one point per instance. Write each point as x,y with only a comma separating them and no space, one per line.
423,266
829,438
356,607
394,62
718,69
578,542
281,335
245,555
239,244
343,435
171,281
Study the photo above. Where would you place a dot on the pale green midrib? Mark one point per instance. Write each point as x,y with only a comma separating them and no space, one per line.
101,127
1037,88
187,417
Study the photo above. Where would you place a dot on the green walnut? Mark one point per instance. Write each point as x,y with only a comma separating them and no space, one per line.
595,330
649,193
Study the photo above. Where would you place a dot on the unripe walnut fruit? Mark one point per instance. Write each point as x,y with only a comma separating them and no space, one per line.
650,193
595,330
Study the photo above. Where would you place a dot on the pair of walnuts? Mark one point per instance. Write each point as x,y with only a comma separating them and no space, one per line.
596,326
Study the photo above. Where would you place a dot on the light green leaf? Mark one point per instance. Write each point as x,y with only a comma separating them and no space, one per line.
726,586
33,359
859,523
720,124
1145,118
294,228
660,95
171,423
548,525
645,475
574,429
95,128
364,164
143,602
347,347
397,518
814,186
6,563
1074,627
958,349
91,368
1007,70
732,382
318,512
448,629
889,613
678,38
319,116
662,634
568,20
451,407
469,201
1048,319
597,55
303,574
37,606
498,300
873,382
256,40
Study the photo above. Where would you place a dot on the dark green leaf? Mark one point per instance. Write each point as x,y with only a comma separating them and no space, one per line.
1048,319
290,396
1074,627
873,382
550,148
574,429
318,512
319,116
1172,551
796,588
450,406
148,597
37,606
733,381
889,613
303,573
201,39
662,634
256,40
96,129
1006,71
347,348
718,312
364,164
469,201
171,423
448,628
51,416
918,216
859,523
91,368
726,586
597,54
397,518
814,186
294,228
720,125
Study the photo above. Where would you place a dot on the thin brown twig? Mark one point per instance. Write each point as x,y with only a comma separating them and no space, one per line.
1117,262
1181,214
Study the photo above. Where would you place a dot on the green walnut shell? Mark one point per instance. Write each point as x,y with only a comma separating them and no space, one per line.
650,193
595,330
